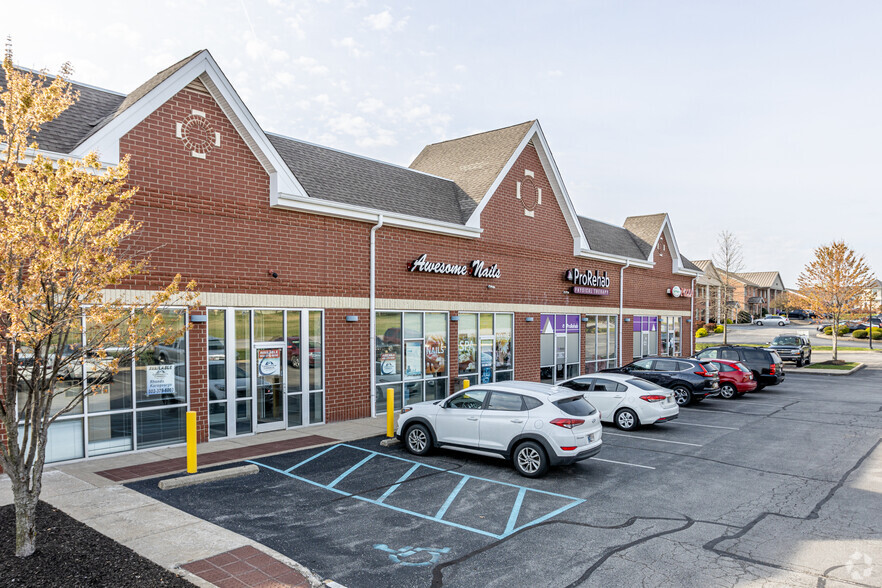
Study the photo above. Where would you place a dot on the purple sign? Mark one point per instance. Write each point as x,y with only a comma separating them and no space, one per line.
590,291
645,324
547,323
572,323
560,323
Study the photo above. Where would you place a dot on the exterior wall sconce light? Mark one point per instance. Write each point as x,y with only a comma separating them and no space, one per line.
688,320
454,318
528,319
351,318
627,320
272,274
198,318
491,287
585,319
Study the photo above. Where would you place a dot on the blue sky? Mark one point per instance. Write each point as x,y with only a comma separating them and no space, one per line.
761,118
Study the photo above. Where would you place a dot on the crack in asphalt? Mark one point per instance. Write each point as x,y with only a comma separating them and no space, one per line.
814,514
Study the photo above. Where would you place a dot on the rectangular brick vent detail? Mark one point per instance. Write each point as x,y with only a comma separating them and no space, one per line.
246,566
179,464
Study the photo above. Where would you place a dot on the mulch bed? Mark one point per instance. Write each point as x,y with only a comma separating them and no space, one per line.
70,553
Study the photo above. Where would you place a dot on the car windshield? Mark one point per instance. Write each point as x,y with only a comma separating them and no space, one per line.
575,406
786,341
644,384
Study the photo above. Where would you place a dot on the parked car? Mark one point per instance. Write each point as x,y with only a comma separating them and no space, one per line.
735,378
765,364
626,401
533,425
772,319
691,380
798,314
796,348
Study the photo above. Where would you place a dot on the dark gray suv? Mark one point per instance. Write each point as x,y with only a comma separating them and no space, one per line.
796,348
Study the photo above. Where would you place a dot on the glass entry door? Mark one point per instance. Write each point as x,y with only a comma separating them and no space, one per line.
488,353
269,385
560,358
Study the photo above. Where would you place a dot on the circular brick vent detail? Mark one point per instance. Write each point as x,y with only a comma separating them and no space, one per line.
197,134
529,195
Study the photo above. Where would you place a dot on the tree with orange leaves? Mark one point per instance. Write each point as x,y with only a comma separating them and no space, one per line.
836,282
64,232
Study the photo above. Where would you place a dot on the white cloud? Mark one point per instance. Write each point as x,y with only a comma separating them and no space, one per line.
351,46
384,21
120,31
459,67
295,23
310,65
348,124
370,105
259,50
381,138
555,73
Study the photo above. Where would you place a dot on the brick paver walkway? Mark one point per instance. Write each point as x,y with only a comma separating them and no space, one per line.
179,464
246,566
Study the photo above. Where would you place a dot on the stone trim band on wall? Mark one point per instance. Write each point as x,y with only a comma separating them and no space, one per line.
232,299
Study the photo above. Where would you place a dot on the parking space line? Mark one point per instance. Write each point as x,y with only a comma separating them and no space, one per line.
450,498
722,411
653,439
350,470
512,517
636,465
750,402
515,511
309,459
708,426
398,483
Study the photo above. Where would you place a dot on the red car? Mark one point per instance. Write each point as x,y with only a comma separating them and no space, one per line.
735,378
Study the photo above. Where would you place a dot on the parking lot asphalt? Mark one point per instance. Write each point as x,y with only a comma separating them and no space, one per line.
763,335
779,487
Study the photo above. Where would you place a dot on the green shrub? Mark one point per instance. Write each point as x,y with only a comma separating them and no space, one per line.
843,330
877,334
702,332
728,321
718,329
860,334
828,330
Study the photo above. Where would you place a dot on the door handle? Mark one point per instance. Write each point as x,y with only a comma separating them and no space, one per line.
617,397
471,418
518,420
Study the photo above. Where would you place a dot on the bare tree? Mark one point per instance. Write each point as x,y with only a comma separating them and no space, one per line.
835,282
728,258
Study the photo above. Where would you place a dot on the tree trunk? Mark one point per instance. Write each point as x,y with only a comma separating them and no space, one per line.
25,519
835,341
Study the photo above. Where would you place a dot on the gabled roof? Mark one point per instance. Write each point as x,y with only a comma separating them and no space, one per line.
710,277
350,179
79,120
647,229
733,277
762,279
474,162
607,238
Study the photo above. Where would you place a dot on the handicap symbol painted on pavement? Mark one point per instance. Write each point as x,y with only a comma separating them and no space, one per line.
400,556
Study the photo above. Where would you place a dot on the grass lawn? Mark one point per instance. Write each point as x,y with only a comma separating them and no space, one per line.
844,348
700,346
831,366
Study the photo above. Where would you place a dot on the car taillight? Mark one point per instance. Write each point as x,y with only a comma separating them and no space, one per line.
567,423
772,369
567,448
653,398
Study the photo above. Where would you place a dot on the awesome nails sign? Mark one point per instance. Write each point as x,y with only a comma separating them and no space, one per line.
476,269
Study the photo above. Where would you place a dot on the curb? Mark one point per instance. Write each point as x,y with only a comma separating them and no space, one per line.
213,476
823,372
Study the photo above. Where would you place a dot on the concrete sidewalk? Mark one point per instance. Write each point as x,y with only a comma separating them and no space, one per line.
161,533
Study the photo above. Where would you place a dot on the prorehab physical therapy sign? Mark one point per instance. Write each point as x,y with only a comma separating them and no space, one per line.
593,283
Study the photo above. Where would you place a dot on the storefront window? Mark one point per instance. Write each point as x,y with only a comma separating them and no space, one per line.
415,367
217,374
558,347
645,336
316,376
267,326
670,335
600,343
486,352
243,371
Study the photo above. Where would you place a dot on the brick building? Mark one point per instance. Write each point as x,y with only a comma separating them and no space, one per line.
327,278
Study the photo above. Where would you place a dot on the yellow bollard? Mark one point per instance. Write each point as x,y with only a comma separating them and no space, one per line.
390,412
466,383
191,442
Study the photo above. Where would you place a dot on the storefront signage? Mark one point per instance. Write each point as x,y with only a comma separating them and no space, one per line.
476,269
269,362
559,323
678,292
594,283
160,379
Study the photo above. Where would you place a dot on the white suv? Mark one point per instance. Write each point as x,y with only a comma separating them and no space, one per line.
534,425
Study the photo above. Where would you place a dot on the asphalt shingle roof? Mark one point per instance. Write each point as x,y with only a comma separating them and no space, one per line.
473,162
342,177
606,238
646,228
761,279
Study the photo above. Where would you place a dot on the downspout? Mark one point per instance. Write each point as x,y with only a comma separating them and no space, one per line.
692,318
373,320
621,310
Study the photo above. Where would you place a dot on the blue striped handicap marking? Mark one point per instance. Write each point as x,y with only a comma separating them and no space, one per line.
511,525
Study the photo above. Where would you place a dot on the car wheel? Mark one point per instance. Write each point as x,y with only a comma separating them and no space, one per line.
530,460
808,360
626,419
418,439
780,324
799,362
759,323
728,391
162,358
682,395
295,362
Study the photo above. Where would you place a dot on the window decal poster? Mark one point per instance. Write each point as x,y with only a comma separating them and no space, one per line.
269,362
160,379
